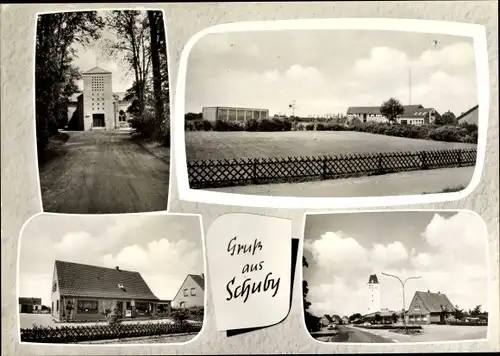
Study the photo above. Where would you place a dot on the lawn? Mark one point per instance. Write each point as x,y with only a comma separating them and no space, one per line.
202,145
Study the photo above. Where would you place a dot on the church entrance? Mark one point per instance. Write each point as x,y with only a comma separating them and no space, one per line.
97,120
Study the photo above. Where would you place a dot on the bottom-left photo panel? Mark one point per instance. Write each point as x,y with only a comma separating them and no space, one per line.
111,279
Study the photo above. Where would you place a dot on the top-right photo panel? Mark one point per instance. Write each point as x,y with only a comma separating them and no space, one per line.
331,113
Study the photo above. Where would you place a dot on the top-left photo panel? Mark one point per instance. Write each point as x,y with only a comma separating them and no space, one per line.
102,111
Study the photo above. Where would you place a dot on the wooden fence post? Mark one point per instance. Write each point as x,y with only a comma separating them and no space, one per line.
380,168
254,170
324,169
423,157
459,158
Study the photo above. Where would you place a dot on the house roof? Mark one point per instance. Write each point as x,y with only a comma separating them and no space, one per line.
467,112
199,279
435,301
97,70
376,109
336,317
328,317
30,301
80,280
373,279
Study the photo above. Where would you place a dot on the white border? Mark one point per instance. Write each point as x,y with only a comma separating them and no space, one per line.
388,211
106,216
103,9
478,34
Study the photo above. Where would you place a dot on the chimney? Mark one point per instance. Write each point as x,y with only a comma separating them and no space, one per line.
117,268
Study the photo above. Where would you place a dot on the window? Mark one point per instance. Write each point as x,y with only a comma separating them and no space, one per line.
255,114
162,308
87,307
54,287
240,115
232,115
52,307
193,291
143,308
57,305
416,307
186,292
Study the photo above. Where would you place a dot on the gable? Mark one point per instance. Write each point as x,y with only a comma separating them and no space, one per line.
191,281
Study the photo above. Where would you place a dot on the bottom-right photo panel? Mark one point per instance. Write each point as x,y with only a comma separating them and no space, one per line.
398,276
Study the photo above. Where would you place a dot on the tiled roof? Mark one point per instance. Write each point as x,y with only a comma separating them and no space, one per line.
328,317
199,279
467,112
419,113
373,279
97,70
30,301
79,280
363,110
435,301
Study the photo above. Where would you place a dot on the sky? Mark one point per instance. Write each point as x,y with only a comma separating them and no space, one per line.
91,55
446,249
326,71
163,248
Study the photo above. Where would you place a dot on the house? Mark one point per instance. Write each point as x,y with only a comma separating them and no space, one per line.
326,320
366,113
84,293
30,305
233,114
345,320
97,106
385,316
429,308
413,114
417,115
337,319
191,292
470,116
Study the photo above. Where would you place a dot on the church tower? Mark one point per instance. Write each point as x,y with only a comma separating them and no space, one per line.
373,294
98,99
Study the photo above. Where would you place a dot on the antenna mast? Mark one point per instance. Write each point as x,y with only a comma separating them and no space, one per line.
292,106
409,86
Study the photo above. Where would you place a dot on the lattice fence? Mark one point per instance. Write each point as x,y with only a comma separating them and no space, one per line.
232,172
69,334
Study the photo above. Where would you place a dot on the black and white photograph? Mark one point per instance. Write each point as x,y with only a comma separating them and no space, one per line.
396,277
102,111
331,113
96,282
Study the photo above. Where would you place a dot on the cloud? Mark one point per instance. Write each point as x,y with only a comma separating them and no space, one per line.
449,257
160,260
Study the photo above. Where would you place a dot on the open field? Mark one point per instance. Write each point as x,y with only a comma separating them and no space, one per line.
202,145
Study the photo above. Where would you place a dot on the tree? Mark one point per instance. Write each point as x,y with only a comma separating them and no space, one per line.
476,311
458,313
55,76
448,118
394,318
391,109
355,316
155,21
378,318
444,313
132,40
312,321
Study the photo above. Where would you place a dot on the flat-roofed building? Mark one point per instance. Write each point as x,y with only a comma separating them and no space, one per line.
215,113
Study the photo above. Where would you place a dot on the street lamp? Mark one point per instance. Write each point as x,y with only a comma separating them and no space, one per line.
403,287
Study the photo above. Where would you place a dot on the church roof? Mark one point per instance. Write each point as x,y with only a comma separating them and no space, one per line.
373,279
97,70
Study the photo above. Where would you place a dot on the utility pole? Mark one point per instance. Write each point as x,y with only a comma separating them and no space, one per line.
292,107
403,289
409,86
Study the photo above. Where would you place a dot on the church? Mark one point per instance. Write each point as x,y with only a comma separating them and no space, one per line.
97,106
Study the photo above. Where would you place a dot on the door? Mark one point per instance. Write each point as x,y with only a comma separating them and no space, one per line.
97,120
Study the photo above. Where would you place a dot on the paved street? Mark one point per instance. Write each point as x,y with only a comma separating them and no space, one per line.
404,183
350,334
104,172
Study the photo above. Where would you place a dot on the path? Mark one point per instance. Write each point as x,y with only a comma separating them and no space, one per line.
404,183
104,172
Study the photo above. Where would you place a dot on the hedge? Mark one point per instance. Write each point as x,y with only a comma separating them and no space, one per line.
465,133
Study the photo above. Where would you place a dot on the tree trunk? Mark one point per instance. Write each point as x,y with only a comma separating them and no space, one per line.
155,58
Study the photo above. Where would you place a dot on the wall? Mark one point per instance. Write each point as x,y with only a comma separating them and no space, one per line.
190,301
209,114
54,298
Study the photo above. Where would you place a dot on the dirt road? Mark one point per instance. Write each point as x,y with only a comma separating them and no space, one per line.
404,183
103,172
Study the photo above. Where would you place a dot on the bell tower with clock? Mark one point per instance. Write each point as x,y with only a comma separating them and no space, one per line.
373,294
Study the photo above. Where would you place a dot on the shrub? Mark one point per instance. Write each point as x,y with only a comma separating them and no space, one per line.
320,127
223,125
309,127
252,125
446,133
